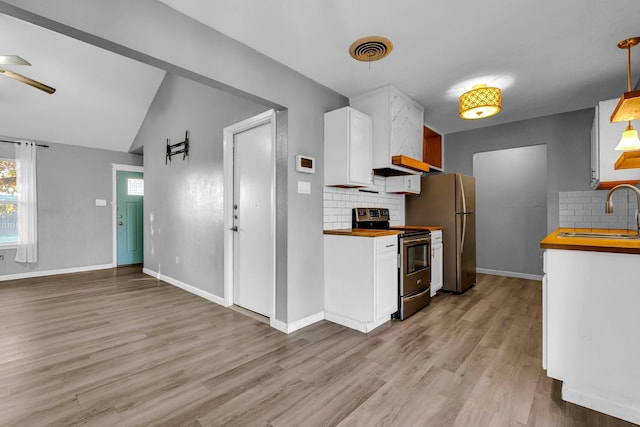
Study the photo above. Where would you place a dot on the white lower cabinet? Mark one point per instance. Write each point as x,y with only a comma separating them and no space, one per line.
590,329
436,261
360,280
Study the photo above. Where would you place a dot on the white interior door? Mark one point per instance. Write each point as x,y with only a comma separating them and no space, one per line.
252,219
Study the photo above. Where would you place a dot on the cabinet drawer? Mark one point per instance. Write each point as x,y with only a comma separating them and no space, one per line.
386,244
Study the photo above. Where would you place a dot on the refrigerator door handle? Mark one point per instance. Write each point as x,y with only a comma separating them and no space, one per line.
464,201
464,230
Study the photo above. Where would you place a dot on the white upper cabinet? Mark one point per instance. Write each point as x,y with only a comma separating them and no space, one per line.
604,138
397,128
347,148
403,184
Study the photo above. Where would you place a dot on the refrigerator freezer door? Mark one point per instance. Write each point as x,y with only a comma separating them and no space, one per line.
465,193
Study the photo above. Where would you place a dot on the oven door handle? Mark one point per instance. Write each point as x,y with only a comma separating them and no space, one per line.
409,241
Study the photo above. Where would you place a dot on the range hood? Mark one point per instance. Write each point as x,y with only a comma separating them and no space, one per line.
410,163
402,165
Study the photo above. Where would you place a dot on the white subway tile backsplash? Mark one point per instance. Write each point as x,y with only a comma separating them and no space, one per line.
585,209
339,202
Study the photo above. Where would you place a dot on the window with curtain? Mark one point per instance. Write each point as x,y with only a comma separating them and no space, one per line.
27,251
8,203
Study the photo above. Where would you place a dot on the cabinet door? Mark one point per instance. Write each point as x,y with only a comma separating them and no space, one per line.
360,149
386,301
406,127
436,268
595,152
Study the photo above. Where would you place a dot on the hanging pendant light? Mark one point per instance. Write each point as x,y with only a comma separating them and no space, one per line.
629,140
480,102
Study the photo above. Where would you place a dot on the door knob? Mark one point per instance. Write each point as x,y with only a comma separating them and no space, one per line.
234,228
120,222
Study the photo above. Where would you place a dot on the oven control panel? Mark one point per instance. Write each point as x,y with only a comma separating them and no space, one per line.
371,214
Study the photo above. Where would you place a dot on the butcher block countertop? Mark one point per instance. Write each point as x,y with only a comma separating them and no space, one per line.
416,227
362,232
593,244
378,233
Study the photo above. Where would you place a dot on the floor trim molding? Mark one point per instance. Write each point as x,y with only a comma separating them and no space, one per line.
191,289
509,274
288,328
42,273
597,403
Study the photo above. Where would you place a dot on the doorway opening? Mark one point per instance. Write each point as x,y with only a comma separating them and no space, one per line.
511,210
250,219
127,215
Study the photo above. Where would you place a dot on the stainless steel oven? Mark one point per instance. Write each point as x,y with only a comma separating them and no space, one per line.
414,272
414,260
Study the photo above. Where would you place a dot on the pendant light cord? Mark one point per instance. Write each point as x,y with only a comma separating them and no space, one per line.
629,77
629,68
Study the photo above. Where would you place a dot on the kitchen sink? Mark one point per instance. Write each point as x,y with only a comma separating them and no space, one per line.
595,235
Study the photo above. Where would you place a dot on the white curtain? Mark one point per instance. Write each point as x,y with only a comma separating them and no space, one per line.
27,202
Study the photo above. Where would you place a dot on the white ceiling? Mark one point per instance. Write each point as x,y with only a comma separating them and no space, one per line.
101,98
548,56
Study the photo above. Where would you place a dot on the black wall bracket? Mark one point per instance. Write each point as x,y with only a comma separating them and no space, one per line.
180,147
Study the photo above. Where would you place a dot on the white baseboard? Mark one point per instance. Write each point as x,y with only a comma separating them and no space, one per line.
358,325
509,274
287,328
597,403
345,321
191,289
43,273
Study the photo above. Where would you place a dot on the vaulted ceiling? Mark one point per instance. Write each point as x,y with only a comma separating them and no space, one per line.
547,56
101,98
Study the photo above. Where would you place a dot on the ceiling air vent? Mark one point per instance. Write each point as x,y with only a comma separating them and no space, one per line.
369,49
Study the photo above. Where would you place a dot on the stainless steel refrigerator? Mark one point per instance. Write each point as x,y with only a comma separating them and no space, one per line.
449,201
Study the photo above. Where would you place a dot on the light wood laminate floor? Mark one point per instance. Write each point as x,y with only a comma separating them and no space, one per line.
116,347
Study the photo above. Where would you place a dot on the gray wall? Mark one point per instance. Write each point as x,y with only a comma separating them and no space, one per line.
511,209
183,199
150,31
72,231
568,140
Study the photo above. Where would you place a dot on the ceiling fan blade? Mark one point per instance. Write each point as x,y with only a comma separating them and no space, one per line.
12,60
27,80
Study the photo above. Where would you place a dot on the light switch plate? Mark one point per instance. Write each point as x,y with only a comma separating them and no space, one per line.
101,202
304,187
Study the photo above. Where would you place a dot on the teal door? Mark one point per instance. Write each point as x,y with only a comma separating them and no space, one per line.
129,217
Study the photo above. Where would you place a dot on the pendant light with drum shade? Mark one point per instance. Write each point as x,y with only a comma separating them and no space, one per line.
480,102
629,140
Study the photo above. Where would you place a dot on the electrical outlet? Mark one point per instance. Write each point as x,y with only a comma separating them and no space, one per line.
177,260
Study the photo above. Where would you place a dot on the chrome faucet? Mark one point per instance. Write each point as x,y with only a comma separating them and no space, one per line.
608,207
